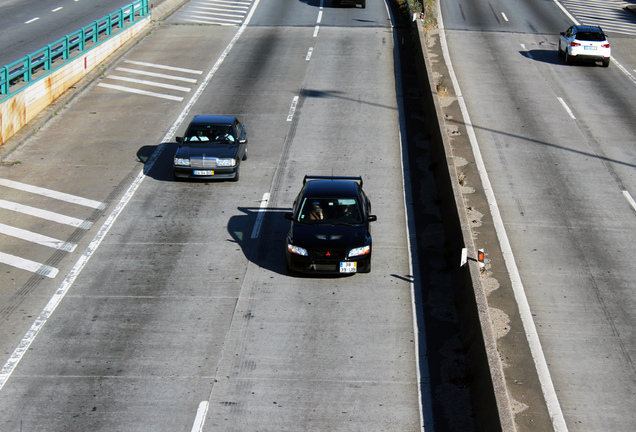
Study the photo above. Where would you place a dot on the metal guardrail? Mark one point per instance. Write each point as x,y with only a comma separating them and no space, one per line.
23,69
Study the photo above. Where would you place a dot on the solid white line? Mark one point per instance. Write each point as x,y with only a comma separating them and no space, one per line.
200,417
141,92
44,214
37,238
547,386
292,109
259,217
567,108
60,196
150,83
158,66
157,75
30,266
630,200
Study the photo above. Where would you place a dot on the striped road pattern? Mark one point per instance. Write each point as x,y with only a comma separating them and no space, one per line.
215,12
611,15
21,210
154,80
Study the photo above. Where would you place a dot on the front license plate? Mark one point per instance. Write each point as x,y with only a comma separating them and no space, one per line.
590,47
348,267
204,172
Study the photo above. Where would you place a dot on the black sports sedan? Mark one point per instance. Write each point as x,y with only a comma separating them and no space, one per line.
212,148
330,230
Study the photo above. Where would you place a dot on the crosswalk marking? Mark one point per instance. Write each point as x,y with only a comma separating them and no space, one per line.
609,14
28,265
37,238
214,12
141,92
157,75
166,67
150,83
45,214
61,196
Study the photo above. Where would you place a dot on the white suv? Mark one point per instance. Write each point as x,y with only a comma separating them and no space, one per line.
585,43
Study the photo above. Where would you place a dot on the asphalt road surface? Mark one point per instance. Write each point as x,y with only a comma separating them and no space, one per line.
133,302
558,146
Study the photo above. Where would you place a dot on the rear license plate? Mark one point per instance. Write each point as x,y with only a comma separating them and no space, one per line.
348,267
590,47
204,172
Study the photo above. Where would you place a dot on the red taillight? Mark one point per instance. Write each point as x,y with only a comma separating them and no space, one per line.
575,44
605,45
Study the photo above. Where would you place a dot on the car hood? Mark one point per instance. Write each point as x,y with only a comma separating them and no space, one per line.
215,151
332,236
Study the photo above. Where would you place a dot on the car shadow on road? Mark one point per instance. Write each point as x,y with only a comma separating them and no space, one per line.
551,56
157,160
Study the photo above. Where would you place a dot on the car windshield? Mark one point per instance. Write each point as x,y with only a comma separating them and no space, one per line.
590,36
209,134
333,211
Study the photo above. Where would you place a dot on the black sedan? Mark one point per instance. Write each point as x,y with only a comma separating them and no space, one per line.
212,148
330,230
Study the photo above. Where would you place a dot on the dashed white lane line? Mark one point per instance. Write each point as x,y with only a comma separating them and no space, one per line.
292,109
629,199
567,108
310,51
45,214
505,17
30,266
60,196
37,238
32,20
200,417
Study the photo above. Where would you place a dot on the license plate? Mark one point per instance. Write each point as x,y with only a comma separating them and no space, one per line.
203,172
348,267
590,47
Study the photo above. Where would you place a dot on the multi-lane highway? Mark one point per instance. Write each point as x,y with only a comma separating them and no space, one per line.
558,148
150,304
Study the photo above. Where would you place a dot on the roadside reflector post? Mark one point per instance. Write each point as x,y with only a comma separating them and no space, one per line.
480,259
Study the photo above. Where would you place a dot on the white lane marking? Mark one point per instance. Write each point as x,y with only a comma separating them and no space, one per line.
157,75
29,337
150,83
547,386
316,29
292,109
630,200
45,214
523,47
37,238
319,17
259,217
32,20
567,108
30,266
310,51
159,66
200,417
57,9
141,92
225,15
60,196
505,17
216,21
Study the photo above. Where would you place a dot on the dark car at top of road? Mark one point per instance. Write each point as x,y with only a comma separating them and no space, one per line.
362,3
212,148
330,227
587,43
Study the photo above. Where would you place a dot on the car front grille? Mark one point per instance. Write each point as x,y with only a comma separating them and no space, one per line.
203,162
324,255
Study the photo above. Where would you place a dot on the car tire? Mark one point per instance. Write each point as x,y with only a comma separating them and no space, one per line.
568,58
559,50
236,176
245,154
606,63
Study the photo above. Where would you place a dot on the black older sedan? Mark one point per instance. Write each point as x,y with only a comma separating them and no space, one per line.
212,148
330,230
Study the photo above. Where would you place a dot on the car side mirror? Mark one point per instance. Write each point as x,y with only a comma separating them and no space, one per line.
289,216
562,33
179,139
372,218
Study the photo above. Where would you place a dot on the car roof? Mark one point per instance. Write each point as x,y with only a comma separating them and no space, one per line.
591,29
331,188
213,120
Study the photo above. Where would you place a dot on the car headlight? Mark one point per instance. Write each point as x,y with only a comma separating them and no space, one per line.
364,250
225,162
182,161
296,250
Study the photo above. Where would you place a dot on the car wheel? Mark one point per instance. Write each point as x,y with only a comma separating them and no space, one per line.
568,57
245,154
559,50
606,63
236,176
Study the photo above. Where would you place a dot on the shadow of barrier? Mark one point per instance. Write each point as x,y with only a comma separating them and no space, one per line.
491,405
